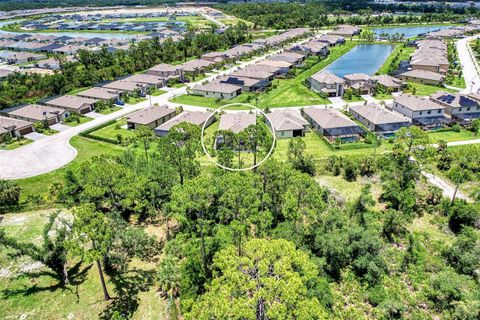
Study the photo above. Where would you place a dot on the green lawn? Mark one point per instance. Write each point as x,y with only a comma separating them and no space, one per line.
113,130
383,96
426,90
86,148
458,82
353,99
450,135
157,92
293,92
135,100
75,123
320,149
110,110
16,143
398,54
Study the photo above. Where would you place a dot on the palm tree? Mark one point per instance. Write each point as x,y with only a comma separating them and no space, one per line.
168,279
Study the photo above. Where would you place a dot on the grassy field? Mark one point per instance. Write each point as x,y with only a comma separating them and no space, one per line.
398,54
75,123
158,92
14,144
450,135
113,130
293,92
110,110
37,295
320,149
426,90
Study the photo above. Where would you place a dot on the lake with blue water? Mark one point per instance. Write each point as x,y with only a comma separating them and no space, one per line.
408,32
364,58
84,34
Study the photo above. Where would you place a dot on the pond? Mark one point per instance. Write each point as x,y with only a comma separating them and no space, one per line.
407,31
84,34
364,58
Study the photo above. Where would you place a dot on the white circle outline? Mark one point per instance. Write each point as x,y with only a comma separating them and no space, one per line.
272,130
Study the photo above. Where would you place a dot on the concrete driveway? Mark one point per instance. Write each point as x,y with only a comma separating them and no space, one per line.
60,127
35,136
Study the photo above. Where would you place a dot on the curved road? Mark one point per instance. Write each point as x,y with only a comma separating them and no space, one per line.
53,152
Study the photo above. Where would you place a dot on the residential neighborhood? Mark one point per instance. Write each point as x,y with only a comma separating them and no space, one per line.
239,160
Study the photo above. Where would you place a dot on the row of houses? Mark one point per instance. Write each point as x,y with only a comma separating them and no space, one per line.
333,86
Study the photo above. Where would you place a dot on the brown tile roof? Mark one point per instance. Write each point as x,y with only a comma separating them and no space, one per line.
99,93
193,117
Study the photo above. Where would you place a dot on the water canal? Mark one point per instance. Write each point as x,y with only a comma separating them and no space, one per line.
364,58
408,32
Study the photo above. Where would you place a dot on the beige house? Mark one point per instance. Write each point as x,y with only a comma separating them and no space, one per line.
287,123
72,104
422,76
420,111
151,117
14,127
37,113
332,124
460,107
218,90
378,119
327,83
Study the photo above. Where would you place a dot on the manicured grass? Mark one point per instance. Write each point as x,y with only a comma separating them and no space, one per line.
113,130
86,148
157,92
294,92
75,123
450,135
458,82
426,90
17,143
383,96
353,99
110,110
135,100
49,132
398,54
320,149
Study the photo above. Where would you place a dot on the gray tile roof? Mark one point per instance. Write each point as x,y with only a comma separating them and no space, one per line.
236,122
193,117
36,112
71,102
377,114
149,115
415,103
329,118
287,119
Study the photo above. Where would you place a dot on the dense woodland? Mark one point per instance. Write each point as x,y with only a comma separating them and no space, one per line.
95,67
271,243
314,14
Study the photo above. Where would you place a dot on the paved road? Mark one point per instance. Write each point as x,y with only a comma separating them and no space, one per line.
53,152
470,73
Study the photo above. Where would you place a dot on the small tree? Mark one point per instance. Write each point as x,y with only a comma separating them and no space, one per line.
145,135
91,238
9,193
